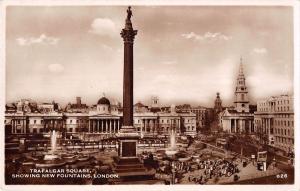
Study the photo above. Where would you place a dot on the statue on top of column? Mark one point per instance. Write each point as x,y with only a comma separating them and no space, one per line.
129,13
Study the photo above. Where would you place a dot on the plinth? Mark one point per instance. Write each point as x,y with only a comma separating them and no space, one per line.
128,141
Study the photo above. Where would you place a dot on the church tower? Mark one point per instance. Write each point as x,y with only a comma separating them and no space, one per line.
154,102
218,104
241,92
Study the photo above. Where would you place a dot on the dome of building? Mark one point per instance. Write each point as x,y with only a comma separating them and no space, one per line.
104,101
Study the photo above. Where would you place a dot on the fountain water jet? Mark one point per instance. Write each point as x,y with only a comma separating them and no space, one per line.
51,155
53,141
172,150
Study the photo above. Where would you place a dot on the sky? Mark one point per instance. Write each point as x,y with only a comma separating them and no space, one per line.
182,54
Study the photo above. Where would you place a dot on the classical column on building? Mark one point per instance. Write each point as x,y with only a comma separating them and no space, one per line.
152,126
25,127
102,125
110,126
117,125
269,125
114,126
243,128
92,126
95,125
179,125
234,120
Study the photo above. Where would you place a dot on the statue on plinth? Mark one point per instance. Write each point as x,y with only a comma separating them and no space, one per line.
129,13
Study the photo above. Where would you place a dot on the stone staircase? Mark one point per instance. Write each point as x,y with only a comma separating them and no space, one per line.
131,169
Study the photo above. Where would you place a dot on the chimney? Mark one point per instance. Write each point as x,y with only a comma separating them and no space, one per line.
78,100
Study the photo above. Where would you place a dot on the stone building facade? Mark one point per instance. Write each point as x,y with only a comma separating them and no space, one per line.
274,122
101,120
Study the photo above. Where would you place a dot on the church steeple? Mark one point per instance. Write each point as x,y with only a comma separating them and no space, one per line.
241,92
241,72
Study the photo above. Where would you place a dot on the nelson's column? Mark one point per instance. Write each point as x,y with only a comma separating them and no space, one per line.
128,135
128,165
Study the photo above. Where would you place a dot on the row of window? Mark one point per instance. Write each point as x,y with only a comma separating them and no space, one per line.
202,112
281,108
169,121
284,140
285,123
79,121
279,102
283,132
283,102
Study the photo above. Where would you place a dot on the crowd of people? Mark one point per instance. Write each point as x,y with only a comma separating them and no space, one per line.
214,169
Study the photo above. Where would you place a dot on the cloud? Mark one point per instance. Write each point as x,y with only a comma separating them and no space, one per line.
169,62
42,39
106,47
260,50
55,68
103,27
208,36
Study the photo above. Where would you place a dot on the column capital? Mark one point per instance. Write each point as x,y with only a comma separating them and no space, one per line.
128,35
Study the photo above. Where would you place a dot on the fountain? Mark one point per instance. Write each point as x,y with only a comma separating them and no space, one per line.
51,155
172,150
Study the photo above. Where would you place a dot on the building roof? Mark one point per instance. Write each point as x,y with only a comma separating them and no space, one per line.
139,104
103,101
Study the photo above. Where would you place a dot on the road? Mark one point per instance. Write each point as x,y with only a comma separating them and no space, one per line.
287,177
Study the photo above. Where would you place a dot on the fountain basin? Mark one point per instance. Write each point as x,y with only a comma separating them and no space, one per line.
83,158
70,158
170,152
50,163
51,157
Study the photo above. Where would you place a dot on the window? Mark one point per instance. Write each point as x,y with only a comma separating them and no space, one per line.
243,96
34,121
71,121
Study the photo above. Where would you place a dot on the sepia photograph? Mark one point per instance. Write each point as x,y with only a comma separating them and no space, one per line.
149,94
